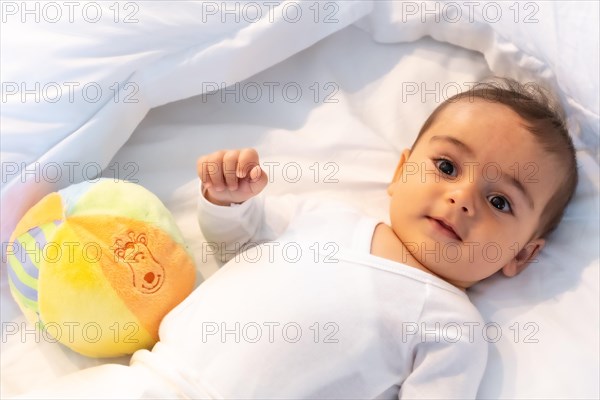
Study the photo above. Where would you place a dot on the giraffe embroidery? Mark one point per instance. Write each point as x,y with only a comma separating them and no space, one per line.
147,274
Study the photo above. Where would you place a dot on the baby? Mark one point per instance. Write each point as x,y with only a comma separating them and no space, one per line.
330,303
486,180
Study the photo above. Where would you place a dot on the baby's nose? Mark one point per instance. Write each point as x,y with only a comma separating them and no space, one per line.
464,200
464,208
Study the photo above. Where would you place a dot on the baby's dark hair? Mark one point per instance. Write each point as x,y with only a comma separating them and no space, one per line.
545,120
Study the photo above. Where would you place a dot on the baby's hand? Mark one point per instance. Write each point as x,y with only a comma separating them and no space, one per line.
231,176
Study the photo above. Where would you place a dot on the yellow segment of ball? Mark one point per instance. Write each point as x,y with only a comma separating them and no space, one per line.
78,302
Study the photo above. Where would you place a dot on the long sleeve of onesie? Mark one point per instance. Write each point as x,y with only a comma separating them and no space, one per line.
231,229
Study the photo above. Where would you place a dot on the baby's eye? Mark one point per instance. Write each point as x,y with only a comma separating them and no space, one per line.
445,166
501,203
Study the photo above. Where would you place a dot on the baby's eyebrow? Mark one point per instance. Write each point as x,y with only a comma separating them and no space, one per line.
455,142
519,186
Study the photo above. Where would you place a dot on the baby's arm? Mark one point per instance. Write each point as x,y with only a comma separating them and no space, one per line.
449,352
229,214
445,370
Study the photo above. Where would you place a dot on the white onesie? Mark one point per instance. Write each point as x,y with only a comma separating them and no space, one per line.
311,314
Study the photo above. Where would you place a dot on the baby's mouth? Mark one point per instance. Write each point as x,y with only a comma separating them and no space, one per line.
445,227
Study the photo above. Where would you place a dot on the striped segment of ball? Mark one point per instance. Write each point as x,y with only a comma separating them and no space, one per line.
24,266
98,265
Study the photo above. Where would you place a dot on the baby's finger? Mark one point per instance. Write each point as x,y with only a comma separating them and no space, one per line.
247,160
214,167
203,169
230,161
258,179
255,173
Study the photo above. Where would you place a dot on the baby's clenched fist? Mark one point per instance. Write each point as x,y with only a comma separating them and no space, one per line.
231,176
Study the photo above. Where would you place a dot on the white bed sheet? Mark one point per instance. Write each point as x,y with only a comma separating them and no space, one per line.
361,135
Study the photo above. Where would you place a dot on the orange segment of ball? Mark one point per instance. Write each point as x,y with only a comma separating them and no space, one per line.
134,259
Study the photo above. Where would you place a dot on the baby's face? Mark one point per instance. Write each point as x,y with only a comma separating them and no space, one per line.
470,195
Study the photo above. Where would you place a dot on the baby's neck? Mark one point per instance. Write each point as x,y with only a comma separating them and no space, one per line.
386,244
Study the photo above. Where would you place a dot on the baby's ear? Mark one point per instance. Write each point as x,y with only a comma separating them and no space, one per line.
398,173
523,258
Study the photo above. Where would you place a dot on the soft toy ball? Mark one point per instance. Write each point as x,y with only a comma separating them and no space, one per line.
96,267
